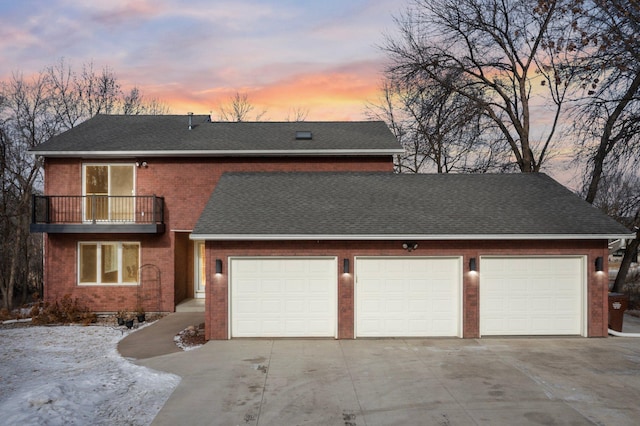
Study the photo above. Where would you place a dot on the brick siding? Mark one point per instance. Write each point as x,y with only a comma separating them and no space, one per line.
186,185
217,325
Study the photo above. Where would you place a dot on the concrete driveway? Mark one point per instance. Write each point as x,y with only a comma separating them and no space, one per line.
564,381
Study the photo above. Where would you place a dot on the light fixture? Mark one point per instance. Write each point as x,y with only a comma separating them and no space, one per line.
142,164
410,245
218,266
345,266
599,264
473,267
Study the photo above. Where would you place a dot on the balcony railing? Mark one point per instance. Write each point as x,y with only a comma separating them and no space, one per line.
97,213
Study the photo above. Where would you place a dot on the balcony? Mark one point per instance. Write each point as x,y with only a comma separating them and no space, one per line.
97,214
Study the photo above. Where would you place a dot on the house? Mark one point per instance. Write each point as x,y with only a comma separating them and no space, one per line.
303,230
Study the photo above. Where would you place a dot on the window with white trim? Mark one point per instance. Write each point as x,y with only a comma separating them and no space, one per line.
109,191
108,262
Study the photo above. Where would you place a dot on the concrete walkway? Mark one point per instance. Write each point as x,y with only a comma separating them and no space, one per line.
493,381
157,338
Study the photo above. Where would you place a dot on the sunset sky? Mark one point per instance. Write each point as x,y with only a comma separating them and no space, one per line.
321,56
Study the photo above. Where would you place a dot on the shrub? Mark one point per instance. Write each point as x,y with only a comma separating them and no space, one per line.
4,314
65,311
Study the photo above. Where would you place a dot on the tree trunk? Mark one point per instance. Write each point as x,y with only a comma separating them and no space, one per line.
629,254
606,144
13,270
27,263
5,297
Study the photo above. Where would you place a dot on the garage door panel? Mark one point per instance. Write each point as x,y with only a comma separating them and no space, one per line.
294,306
247,306
283,297
408,297
269,307
369,326
265,286
394,306
531,296
418,306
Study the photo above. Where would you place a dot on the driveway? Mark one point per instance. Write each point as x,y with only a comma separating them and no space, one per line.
492,381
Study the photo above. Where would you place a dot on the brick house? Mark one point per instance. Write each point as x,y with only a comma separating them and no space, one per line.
303,230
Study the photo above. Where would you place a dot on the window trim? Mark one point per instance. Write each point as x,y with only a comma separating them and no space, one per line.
98,265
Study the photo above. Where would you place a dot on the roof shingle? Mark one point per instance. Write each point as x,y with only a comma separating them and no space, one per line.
386,205
170,135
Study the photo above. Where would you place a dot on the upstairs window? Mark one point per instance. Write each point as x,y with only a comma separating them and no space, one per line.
108,262
109,190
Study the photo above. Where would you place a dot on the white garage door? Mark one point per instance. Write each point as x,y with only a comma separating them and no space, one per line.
283,297
531,295
408,297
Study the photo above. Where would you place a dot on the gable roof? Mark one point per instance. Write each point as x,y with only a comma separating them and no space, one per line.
379,206
169,135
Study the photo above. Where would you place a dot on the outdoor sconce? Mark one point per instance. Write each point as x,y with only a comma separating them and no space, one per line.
599,264
410,245
473,267
218,266
345,266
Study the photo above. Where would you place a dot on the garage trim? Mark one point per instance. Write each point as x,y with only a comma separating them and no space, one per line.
458,290
333,290
582,302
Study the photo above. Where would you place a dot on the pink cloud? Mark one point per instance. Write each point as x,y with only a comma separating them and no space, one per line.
338,93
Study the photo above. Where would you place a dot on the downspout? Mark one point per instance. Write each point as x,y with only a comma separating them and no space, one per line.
620,334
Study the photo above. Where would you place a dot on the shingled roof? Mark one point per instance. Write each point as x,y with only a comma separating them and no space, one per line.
278,206
170,135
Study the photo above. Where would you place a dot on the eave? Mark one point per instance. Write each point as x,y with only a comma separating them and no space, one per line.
219,153
388,237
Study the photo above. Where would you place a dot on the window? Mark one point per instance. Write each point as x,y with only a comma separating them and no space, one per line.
109,190
108,262
200,271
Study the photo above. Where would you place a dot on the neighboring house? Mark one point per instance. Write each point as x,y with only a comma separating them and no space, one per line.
303,230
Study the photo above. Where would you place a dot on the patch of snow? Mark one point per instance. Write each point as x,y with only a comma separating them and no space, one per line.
14,321
74,375
181,345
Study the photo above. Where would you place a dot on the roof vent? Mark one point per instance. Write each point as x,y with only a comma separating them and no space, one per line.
303,135
190,120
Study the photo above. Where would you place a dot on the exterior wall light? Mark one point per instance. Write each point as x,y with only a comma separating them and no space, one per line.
218,266
345,266
599,264
473,267
409,245
142,164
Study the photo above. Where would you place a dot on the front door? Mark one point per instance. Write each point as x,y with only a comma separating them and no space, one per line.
199,276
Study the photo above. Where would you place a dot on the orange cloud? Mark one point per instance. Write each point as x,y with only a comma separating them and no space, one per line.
337,94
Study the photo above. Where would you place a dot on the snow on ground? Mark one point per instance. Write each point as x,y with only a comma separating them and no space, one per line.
74,375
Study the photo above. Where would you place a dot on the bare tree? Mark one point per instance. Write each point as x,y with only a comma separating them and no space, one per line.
609,110
238,109
75,98
66,99
497,49
31,112
134,103
99,92
608,114
26,121
440,130
619,197
297,114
